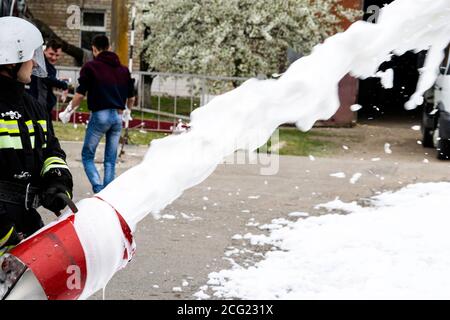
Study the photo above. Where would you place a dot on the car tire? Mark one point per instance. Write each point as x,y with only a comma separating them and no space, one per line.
444,149
427,138
443,146
430,120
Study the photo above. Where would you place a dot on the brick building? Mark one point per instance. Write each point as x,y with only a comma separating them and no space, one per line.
95,18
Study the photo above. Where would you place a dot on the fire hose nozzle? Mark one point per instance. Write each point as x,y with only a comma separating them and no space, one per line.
17,281
42,266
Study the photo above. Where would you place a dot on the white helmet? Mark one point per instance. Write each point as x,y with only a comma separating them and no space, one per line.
21,41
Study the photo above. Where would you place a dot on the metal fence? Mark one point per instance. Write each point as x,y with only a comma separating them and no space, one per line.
168,97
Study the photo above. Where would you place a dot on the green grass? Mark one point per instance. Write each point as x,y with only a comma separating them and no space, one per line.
144,138
293,142
70,133
166,105
297,143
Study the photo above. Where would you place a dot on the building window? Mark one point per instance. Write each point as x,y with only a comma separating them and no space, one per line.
93,23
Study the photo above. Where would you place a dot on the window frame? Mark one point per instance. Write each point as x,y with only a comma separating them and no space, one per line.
93,28
98,29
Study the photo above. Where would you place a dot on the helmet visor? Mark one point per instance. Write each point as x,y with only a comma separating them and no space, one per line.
39,69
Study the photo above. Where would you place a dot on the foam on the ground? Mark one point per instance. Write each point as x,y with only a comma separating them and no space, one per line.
395,249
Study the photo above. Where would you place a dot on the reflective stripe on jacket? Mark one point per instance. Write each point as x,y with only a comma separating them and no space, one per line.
28,146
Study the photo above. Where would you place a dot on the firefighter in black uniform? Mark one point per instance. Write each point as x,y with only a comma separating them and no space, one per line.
33,170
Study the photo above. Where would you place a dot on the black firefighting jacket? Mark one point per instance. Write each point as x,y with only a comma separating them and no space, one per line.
28,146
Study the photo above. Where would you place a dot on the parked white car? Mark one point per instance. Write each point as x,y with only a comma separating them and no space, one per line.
436,115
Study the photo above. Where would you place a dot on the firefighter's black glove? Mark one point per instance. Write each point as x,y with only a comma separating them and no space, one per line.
56,181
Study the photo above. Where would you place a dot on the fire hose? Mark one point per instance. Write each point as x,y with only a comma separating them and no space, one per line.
53,264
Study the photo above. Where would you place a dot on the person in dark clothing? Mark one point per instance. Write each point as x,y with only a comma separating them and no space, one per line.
33,170
6,8
110,90
42,88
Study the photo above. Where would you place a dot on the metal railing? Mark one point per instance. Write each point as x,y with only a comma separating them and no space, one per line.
168,97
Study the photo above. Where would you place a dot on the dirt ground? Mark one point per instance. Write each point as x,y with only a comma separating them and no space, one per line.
192,240
368,140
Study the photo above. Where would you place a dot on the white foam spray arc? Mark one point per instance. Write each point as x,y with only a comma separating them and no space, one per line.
246,117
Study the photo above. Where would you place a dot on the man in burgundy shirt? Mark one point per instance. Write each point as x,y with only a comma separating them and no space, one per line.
110,90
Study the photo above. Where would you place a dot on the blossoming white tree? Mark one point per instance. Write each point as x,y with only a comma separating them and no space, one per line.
235,37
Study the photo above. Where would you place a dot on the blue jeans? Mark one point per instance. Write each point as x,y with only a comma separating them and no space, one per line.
104,122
